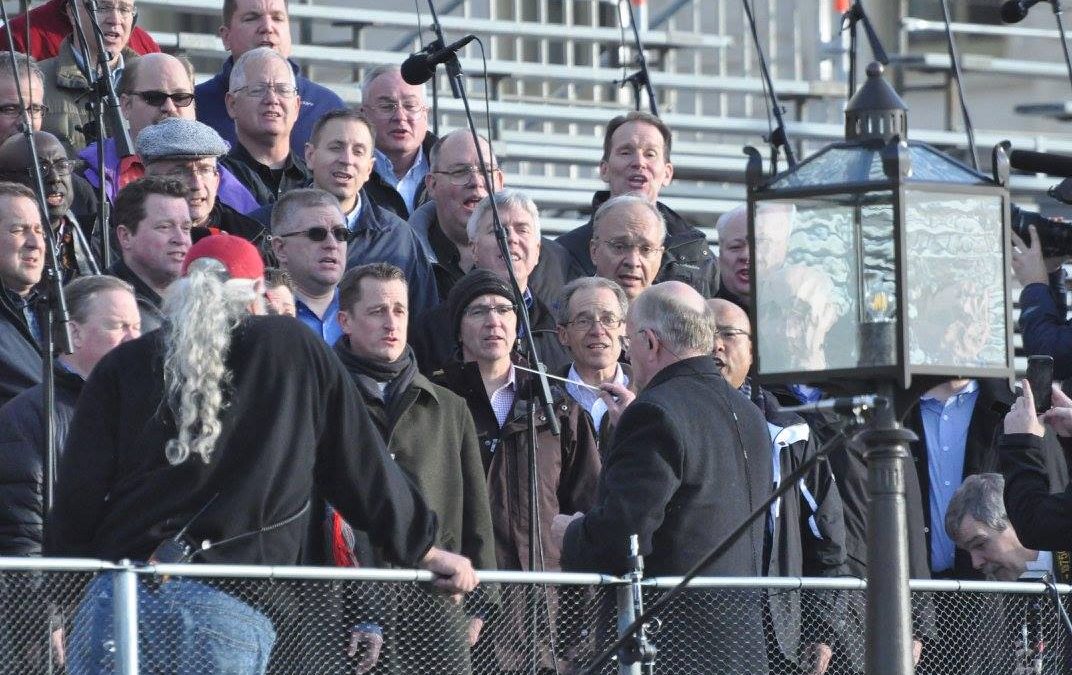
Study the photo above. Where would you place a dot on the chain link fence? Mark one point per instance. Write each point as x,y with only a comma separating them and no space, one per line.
79,617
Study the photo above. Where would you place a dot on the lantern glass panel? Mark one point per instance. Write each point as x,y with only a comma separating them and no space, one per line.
955,297
814,259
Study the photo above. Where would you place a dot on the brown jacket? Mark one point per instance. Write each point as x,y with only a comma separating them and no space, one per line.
568,466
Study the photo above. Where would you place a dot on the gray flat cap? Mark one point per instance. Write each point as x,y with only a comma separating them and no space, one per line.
177,138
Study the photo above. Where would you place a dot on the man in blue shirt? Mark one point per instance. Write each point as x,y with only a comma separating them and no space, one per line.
248,24
309,238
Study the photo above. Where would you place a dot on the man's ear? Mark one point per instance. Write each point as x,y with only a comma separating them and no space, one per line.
345,322
561,330
123,235
603,171
229,103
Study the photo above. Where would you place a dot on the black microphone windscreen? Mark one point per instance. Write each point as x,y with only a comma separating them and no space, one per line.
1013,11
416,70
1041,162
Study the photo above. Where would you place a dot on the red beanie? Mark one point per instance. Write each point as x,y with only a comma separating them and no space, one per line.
238,255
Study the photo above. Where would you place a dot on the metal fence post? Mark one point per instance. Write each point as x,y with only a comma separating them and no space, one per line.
125,604
626,614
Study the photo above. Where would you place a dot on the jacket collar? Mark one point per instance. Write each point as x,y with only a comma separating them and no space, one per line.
695,365
69,74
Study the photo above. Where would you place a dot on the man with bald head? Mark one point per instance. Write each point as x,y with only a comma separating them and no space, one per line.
75,256
153,88
687,464
773,227
627,242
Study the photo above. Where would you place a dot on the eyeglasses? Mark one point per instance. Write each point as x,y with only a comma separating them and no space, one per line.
731,333
156,98
621,248
61,167
463,175
319,234
14,109
482,311
281,89
192,173
106,8
387,109
608,321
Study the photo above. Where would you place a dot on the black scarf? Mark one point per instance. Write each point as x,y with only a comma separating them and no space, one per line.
368,375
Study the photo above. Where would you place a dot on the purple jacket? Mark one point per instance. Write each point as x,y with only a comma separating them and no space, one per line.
231,192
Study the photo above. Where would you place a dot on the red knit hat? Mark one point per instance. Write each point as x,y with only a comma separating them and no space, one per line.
238,255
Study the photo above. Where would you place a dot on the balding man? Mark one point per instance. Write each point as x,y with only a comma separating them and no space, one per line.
153,88
628,233
687,464
773,226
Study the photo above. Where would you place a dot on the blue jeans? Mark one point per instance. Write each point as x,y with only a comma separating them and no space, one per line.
184,627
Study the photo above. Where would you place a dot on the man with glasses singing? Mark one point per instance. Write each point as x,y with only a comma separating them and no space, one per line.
31,84
153,88
403,142
66,88
627,242
247,25
263,101
188,151
309,238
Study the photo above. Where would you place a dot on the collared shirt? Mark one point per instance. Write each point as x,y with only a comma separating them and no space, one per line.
589,399
408,185
116,70
327,327
945,431
502,399
353,216
1042,563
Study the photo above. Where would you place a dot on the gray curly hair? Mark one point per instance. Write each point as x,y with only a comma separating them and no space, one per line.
203,308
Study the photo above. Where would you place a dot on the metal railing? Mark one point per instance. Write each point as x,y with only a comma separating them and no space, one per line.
126,618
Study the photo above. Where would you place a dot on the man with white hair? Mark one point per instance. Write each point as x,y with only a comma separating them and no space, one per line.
247,25
521,220
177,436
689,461
264,103
628,234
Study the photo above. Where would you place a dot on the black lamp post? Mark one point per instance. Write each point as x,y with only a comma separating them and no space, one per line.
881,265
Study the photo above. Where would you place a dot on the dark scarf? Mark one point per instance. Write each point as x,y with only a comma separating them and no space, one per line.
368,375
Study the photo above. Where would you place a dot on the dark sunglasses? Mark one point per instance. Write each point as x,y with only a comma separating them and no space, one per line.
319,234
156,98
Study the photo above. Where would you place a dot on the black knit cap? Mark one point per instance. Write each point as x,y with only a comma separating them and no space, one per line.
470,287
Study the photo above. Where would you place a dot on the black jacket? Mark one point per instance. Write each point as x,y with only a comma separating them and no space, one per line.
687,257
255,176
20,355
981,456
149,301
384,195
293,418
1042,517
434,344
22,435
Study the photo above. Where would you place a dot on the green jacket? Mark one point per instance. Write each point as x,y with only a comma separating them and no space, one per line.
66,95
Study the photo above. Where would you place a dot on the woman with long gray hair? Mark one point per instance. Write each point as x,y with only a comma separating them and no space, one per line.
214,429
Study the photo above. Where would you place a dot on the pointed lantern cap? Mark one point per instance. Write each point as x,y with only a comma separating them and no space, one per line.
876,112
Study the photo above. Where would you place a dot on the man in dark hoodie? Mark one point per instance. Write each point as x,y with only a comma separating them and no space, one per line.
636,159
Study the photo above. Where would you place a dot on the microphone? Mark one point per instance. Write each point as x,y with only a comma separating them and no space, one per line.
846,404
420,66
1041,162
1015,11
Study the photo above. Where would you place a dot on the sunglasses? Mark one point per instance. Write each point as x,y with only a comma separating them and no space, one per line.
156,98
319,234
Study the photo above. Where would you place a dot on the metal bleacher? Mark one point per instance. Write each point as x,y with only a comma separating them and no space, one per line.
552,66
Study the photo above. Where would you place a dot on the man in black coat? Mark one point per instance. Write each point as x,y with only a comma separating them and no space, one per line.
22,258
690,459
636,159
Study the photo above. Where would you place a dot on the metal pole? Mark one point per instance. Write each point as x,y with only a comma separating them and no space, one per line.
626,616
889,618
125,604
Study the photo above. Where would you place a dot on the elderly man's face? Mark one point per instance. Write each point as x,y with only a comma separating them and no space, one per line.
456,185
399,112
627,247
637,161
116,20
162,90
266,108
595,329
10,111
999,555
201,178
257,23
523,242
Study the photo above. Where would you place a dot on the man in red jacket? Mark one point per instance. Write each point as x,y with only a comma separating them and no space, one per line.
49,24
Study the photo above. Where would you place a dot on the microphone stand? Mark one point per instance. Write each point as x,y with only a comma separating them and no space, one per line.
104,105
954,61
53,318
628,641
856,15
641,78
778,137
543,389
1057,9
